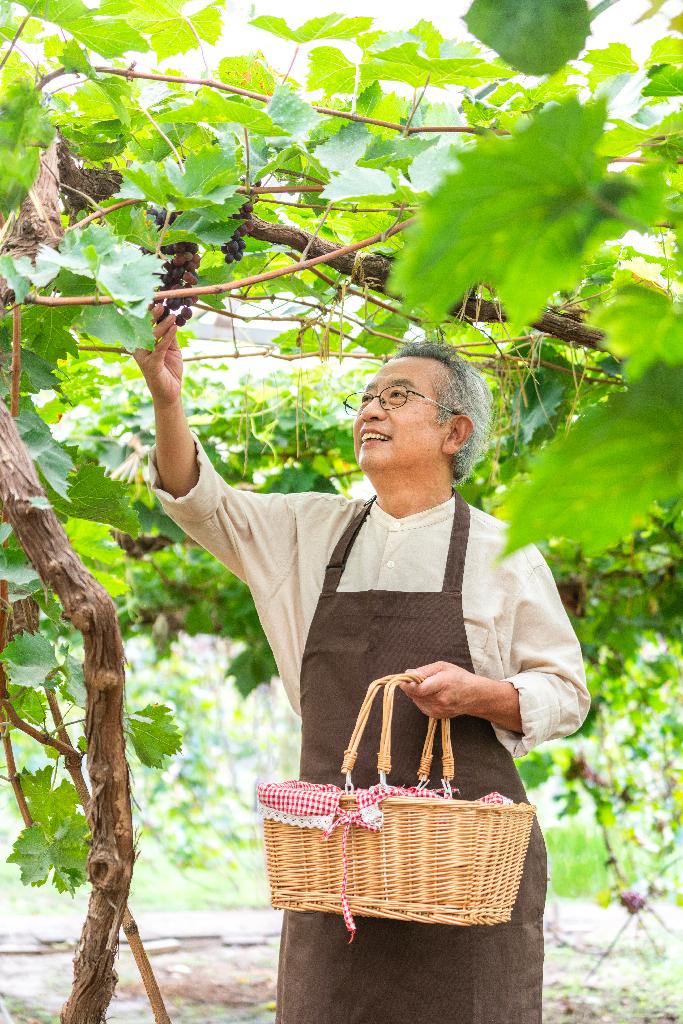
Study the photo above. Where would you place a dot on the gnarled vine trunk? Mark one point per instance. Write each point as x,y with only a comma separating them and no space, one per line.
90,609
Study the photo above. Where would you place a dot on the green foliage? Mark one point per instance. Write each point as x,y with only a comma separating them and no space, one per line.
331,26
154,734
536,39
643,326
24,129
29,659
56,841
620,457
516,216
118,269
522,203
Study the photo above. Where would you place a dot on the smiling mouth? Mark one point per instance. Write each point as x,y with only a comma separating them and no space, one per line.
369,440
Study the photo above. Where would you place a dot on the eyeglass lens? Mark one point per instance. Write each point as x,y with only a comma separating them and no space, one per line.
390,397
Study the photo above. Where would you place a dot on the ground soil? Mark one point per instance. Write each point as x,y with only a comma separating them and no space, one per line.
221,969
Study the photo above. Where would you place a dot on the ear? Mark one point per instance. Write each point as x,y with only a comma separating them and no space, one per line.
461,428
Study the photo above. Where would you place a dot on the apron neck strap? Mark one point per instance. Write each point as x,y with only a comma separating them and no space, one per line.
457,550
337,563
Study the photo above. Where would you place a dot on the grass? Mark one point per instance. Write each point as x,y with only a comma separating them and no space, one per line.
576,859
158,884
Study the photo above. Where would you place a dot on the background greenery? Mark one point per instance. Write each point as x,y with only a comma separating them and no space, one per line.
564,193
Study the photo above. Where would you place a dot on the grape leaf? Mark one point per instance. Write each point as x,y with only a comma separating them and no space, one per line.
665,81
596,484
48,806
46,331
428,169
623,319
252,668
615,59
330,70
518,213
345,148
358,181
210,174
247,73
72,683
154,734
292,113
29,704
330,26
29,658
54,462
114,327
19,573
668,50
96,497
19,272
405,63
37,851
24,129
534,38
210,107
118,268
110,37
170,26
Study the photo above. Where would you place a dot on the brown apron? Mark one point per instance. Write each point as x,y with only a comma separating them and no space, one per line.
401,972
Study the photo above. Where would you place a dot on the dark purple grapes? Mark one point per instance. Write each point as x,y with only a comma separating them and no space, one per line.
632,900
234,248
180,270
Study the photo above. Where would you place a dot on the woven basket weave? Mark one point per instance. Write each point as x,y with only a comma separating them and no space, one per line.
438,861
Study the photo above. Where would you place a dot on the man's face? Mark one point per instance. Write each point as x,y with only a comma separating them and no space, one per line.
414,442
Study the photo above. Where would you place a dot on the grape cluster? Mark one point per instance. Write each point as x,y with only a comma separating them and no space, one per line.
233,250
632,900
180,271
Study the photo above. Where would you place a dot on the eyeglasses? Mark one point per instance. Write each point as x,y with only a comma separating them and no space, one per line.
391,397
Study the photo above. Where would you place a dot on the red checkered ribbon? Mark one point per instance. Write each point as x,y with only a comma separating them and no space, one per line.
309,805
362,815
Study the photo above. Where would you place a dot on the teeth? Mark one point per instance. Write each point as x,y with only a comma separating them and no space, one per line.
379,437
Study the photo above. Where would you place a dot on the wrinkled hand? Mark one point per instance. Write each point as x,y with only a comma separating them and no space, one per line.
447,690
162,368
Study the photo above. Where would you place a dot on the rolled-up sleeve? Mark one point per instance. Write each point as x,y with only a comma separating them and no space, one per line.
544,663
252,534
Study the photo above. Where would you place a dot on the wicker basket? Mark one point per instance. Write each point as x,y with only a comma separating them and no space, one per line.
438,861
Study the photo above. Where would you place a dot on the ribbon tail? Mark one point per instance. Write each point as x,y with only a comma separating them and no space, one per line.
346,909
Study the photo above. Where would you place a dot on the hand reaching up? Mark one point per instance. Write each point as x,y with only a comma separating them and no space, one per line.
162,368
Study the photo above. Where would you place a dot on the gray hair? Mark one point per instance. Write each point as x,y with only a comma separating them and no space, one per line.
462,388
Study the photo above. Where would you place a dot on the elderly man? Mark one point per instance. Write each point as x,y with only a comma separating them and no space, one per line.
350,590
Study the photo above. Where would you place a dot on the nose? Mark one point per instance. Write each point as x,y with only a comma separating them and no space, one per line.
371,409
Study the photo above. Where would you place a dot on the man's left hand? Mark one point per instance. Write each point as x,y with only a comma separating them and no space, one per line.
447,690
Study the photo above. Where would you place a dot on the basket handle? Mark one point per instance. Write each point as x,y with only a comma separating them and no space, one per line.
390,684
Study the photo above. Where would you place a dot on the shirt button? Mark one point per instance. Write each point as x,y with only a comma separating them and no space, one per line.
396,526
390,565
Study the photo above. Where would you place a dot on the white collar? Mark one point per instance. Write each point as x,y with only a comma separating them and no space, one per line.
428,517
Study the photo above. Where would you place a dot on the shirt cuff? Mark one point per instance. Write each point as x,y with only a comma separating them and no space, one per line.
539,710
201,501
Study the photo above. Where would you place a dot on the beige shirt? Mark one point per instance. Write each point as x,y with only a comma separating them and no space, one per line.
279,545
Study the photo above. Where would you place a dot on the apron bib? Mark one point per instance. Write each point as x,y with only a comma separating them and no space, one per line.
402,972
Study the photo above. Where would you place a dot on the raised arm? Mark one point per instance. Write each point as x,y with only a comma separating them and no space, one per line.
163,370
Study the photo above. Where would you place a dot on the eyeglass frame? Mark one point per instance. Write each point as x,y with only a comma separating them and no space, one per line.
409,391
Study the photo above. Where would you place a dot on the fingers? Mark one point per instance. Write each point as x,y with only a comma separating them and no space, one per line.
164,333
427,688
429,670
